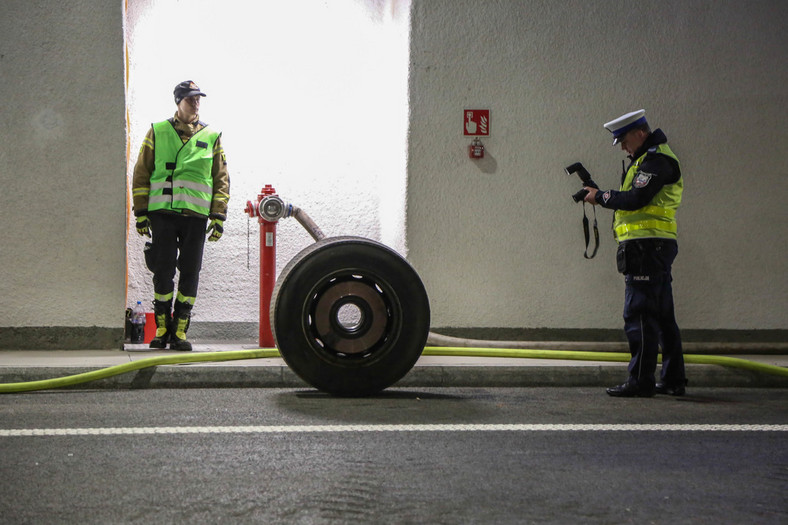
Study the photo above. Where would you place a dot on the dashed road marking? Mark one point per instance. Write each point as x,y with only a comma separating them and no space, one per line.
316,429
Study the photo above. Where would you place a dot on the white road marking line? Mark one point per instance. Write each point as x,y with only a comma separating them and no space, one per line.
314,429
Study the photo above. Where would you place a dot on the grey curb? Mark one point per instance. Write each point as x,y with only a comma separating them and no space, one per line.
280,376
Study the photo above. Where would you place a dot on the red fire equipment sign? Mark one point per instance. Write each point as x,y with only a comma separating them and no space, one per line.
476,123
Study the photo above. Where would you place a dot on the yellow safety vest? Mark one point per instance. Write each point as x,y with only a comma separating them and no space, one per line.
658,218
181,178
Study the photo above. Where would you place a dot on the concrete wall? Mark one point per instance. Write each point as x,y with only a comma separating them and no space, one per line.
62,156
498,243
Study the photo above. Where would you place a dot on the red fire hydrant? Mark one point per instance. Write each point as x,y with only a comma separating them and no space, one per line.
268,209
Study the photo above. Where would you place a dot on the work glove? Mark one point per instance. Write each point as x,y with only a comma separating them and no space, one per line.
217,225
143,225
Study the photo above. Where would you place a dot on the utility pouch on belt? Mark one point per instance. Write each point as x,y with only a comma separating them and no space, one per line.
148,252
621,258
629,258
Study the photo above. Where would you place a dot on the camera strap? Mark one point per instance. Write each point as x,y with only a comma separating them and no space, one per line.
587,233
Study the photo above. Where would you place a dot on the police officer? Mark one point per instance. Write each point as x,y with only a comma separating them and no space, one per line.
180,183
644,225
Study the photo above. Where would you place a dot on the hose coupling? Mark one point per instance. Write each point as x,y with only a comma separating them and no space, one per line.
272,208
269,208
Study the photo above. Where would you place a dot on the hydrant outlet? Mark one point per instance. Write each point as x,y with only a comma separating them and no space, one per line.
272,208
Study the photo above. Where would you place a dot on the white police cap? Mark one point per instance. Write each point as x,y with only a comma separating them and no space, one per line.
624,123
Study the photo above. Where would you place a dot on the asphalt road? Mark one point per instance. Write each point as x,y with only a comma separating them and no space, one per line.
498,455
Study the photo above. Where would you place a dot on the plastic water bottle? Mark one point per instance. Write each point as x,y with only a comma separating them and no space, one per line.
137,324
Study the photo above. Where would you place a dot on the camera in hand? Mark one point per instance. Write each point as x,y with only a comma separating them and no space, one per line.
585,177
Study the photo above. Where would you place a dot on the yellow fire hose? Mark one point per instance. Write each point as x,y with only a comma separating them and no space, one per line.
6,388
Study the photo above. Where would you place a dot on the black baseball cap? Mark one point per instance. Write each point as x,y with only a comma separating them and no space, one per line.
187,88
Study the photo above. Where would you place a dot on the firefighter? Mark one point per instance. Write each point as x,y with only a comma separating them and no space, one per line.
644,225
180,189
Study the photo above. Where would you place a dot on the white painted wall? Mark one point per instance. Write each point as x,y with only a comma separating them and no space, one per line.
499,243
311,97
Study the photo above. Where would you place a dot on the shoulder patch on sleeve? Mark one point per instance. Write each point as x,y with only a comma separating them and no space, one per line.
642,179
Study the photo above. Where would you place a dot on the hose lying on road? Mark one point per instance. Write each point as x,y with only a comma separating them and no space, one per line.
6,388
732,362
717,348
136,365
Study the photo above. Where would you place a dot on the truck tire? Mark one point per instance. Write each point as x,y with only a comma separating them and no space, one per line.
350,316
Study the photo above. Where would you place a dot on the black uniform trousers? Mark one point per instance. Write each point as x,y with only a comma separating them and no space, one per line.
649,319
177,242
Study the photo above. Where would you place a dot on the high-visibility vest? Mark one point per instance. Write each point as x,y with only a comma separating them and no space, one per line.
181,178
658,218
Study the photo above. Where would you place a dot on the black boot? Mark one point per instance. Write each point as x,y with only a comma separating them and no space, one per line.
678,389
631,389
180,324
162,314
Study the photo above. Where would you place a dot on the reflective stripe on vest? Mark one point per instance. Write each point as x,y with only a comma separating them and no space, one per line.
181,178
658,219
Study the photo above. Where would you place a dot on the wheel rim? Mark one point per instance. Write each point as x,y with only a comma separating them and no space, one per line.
351,316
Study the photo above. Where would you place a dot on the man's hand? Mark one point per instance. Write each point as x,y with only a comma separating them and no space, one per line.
591,195
217,225
143,225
